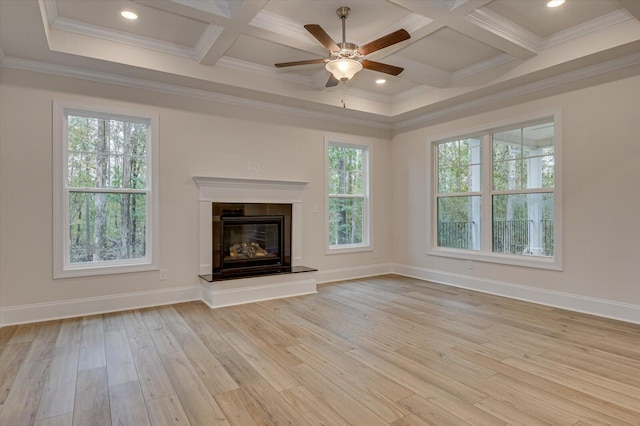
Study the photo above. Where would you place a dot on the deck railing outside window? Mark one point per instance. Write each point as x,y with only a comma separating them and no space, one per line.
509,236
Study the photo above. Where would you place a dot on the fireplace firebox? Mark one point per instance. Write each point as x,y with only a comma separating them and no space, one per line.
250,238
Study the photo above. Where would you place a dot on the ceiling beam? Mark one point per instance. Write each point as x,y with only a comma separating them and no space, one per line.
480,24
239,23
633,6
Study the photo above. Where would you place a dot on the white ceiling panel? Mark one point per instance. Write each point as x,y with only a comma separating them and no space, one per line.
459,51
544,21
151,23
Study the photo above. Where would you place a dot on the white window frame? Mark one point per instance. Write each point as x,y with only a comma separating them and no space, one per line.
485,254
62,267
367,243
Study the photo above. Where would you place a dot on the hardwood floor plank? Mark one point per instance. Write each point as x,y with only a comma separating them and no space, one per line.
313,410
25,333
381,383
430,412
58,393
273,407
92,407
239,409
63,420
410,420
92,352
21,405
203,326
127,405
134,324
159,331
198,404
120,365
11,359
369,396
348,406
207,366
508,413
167,411
276,375
153,377
385,350
6,333
422,372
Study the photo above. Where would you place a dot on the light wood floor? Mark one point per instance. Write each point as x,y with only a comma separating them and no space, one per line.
381,351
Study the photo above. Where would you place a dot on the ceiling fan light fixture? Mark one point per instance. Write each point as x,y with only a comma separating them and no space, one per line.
343,69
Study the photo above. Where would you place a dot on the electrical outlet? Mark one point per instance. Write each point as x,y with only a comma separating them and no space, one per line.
469,264
163,274
374,254
314,208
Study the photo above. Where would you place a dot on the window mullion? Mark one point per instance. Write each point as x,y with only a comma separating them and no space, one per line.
487,193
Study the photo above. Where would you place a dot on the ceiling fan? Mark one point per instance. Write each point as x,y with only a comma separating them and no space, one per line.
346,59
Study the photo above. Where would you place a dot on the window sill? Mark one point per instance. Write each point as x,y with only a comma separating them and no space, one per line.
349,249
89,271
550,263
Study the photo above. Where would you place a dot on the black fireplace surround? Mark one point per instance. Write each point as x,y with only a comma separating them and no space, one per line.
250,239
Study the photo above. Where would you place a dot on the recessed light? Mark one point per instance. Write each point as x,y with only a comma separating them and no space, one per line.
128,14
381,81
554,3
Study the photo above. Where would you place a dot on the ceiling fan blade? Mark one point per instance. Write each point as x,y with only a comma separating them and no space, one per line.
332,82
322,36
291,64
386,41
380,67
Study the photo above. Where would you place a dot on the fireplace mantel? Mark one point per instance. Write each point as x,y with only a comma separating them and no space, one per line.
246,190
225,189
213,181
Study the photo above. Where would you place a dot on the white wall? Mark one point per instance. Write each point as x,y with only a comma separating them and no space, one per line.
197,138
202,138
601,148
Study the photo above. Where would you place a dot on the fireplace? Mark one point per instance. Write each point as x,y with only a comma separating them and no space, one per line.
250,239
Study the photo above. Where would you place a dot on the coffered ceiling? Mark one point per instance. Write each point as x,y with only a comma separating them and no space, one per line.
462,54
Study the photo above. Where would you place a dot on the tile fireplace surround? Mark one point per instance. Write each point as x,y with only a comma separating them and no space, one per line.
244,290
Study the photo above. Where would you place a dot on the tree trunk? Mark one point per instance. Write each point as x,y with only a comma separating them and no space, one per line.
125,217
100,199
342,234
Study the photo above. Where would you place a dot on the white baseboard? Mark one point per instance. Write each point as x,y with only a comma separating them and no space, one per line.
217,295
245,291
332,275
22,314
588,305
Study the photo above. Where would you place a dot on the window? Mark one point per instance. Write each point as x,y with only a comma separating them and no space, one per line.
105,191
348,196
495,195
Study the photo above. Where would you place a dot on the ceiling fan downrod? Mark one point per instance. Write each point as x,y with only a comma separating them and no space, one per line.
347,50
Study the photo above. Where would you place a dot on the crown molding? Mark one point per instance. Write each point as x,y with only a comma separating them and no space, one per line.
172,89
64,24
224,8
604,21
50,8
410,93
505,28
474,69
450,5
263,70
558,80
267,71
274,23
